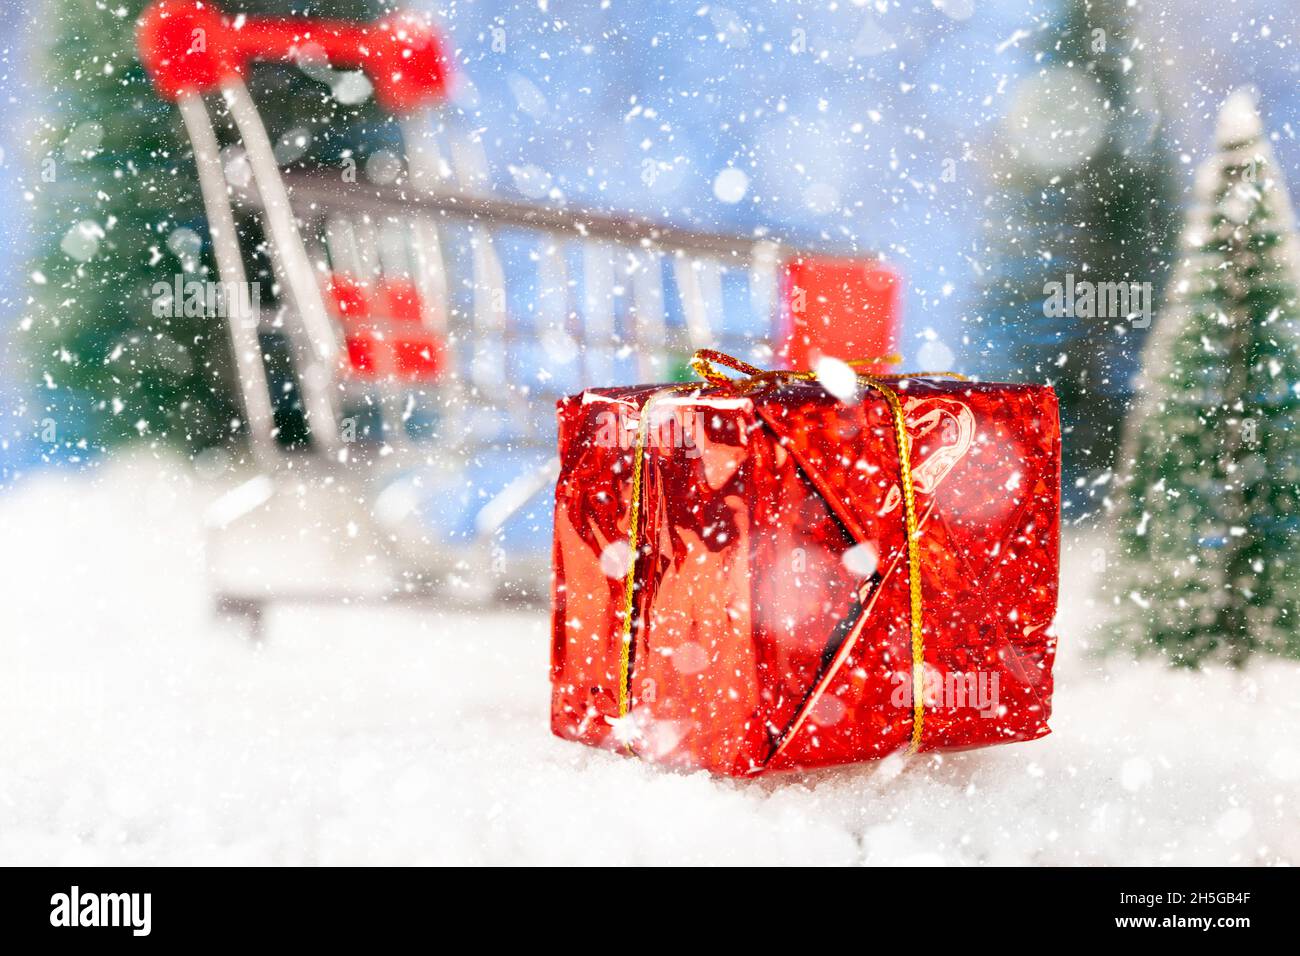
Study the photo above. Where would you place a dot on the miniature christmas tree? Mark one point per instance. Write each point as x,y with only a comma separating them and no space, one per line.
1208,515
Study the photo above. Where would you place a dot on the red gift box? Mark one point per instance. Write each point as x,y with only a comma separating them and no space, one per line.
774,622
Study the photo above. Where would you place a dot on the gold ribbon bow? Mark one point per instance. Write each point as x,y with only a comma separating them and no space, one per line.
708,363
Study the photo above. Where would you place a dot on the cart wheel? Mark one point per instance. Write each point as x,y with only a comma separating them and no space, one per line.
248,612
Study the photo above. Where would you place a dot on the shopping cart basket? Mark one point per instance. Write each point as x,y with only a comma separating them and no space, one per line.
430,326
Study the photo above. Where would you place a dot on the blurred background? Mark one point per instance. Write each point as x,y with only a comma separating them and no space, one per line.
602,189
981,148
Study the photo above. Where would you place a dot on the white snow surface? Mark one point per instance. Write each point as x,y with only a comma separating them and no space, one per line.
137,730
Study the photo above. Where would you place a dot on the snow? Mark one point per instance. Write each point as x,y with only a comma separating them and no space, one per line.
138,730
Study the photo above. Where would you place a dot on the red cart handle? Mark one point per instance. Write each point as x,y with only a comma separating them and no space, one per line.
191,46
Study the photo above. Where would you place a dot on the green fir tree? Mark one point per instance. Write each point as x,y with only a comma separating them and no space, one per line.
1208,519
1082,186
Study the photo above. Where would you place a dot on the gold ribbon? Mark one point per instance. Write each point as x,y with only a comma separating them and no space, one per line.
708,363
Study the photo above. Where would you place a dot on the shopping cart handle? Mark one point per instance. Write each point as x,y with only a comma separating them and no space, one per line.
190,46
183,44
400,53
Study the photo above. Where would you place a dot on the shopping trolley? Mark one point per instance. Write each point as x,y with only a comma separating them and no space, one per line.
431,326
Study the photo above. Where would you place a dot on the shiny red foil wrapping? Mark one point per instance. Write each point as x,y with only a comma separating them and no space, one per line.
771,611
